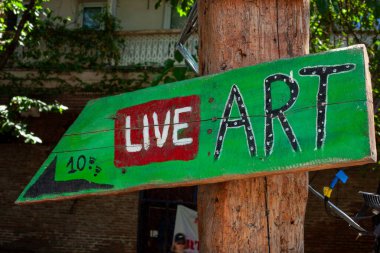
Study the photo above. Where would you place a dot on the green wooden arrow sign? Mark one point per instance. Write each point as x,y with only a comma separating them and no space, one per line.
307,113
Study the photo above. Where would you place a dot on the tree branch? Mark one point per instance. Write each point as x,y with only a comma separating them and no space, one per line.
11,47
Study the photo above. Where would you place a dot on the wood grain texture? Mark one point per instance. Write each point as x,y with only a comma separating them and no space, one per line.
371,118
262,214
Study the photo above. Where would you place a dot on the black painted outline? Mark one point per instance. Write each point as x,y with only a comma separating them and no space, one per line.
323,72
46,184
243,121
271,113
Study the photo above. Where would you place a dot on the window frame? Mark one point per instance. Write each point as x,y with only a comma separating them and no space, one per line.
82,6
167,23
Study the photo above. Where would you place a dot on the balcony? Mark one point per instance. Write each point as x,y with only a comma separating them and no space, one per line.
152,48
142,48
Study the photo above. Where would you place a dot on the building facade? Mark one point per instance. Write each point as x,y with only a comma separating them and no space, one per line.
150,33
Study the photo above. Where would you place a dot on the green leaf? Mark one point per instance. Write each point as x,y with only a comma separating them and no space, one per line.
157,79
169,63
323,6
335,5
169,79
179,73
10,120
178,56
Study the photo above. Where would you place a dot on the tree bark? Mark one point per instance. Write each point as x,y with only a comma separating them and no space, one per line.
263,214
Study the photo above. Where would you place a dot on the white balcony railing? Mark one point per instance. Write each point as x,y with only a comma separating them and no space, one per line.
146,48
152,47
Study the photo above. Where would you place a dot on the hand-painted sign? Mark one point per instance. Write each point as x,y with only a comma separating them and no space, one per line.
157,126
307,113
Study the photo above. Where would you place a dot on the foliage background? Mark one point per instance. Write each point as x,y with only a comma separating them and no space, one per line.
50,48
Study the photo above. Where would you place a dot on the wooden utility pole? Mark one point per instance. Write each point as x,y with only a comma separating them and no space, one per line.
264,214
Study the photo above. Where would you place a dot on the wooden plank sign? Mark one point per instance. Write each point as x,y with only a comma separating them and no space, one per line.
307,113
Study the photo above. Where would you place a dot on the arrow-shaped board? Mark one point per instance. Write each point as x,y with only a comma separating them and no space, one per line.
307,113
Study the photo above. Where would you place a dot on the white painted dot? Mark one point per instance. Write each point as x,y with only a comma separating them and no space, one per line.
234,89
287,129
266,80
268,89
294,140
235,123
319,130
239,98
324,84
347,66
268,143
269,100
324,70
242,106
334,70
270,135
220,138
275,77
251,137
217,152
229,105
314,72
285,80
320,111
252,148
284,120
266,111
248,128
243,120
294,98
225,120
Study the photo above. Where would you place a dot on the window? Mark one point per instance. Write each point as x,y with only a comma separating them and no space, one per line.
91,15
172,20
176,21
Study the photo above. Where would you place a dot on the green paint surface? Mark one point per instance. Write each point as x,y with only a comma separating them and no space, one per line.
89,144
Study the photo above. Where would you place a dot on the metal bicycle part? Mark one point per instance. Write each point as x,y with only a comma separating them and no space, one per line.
190,27
339,212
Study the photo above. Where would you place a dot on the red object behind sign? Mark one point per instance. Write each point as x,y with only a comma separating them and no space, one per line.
157,131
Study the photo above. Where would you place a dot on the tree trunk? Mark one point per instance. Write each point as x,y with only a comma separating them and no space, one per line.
263,214
11,47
